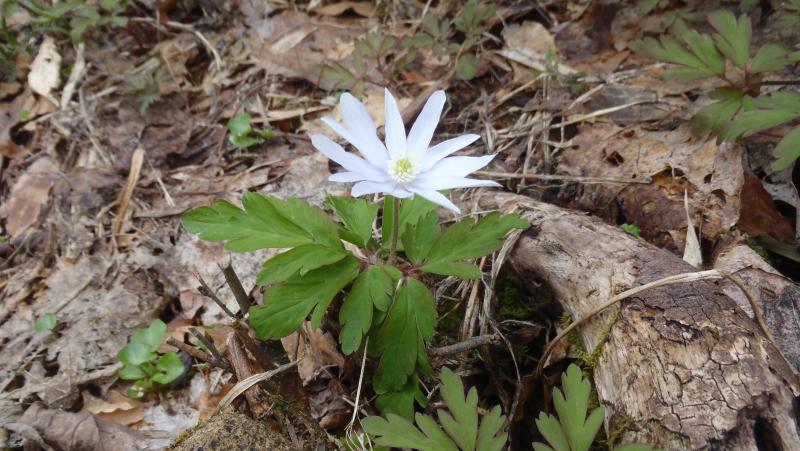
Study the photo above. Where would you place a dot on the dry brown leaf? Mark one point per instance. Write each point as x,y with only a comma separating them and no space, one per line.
691,252
9,118
22,209
673,161
758,213
365,9
294,44
45,74
317,350
117,409
73,431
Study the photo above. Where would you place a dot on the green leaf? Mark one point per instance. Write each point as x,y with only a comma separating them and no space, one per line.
460,429
47,322
770,58
418,239
402,402
358,216
242,141
152,336
670,50
136,353
572,431
467,66
787,150
632,229
372,289
264,222
755,121
396,431
131,373
716,116
462,425
169,368
732,37
466,240
491,436
300,259
240,125
703,47
410,323
410,212
287,305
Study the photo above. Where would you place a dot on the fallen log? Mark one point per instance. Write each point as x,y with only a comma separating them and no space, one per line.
683,367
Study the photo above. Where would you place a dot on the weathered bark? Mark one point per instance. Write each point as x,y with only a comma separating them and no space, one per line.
778,297
683,367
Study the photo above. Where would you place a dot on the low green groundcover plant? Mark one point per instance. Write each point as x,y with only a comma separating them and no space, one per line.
387,302
142,364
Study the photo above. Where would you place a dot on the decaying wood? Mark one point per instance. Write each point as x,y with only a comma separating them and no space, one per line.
777,296
243,368
683,367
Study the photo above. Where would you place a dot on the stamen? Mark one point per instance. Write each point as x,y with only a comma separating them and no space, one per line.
402,170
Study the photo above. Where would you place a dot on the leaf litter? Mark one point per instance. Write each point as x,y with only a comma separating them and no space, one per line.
63,172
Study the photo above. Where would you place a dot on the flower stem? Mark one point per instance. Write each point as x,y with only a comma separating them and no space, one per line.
395,226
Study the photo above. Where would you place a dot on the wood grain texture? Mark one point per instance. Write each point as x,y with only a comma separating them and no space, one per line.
684,367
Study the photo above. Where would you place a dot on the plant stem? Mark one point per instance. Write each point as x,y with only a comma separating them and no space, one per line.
395,226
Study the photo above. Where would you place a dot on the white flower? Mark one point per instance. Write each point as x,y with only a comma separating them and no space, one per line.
405,166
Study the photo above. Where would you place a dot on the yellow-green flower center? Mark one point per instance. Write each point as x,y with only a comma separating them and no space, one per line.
402,170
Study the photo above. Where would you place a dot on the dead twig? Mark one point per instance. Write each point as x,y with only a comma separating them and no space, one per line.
199,354
466,345
235,284
127,191
559,178
206,291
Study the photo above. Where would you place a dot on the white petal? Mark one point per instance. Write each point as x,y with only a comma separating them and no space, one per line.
451,183
356,118
456,167
367,187
395,130
335,152
445,148
348,177
367,143
437,198
419,138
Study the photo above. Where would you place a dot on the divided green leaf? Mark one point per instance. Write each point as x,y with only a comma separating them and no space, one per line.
371,290
572,430
358,217
733,36
766,112
263,222
288,304
459,430
467,240
400,340
298,260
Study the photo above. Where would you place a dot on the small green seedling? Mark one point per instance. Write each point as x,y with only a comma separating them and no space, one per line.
633,229
47,322
572,430
242,133
142,364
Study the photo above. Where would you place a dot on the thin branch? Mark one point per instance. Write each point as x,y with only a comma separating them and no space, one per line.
466,345
206,291
236,287
199,354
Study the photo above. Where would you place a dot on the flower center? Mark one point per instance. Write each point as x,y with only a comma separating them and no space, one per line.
402,170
